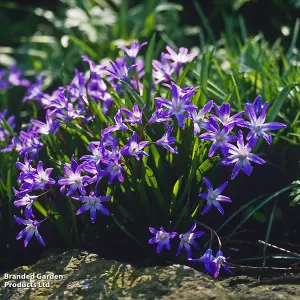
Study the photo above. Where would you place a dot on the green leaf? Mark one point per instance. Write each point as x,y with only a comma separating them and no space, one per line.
278,103
175,192
204,72
256,208
97,110
123,19
135,95
123,228
125,212
154,151
208,164
294,39
87,49
185,71
168,7
40,208
192,172
147,81
152,182
143,195
269,228
205,22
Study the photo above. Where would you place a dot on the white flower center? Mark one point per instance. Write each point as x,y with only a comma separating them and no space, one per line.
76,178
133,147
43,176
163,236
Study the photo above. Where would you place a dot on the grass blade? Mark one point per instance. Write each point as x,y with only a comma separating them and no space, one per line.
147,82
278,103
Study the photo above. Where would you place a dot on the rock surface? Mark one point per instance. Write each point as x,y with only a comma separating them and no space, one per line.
88,277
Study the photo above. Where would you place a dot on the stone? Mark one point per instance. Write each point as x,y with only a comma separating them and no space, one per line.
88,277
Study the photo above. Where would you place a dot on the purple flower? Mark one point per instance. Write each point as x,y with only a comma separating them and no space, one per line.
241,157
74,178
119,69
77,90
30,142
14,77
113,168
40,178
208,261
134,148
188,239
134,117
65,110
162,238
109,140
25,168
27,142
159,116
213,264
97,90
97,153
26,201
35,90
213,197
133,51
162,71
223,115
179,104
199,117
119,124
219,261
94,69
220,138
257,105
92,203
50,127
3,83
180,58
31,228
256,124
166,140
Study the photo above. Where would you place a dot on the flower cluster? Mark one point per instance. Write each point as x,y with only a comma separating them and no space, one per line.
162,239
124,139
12,77
211,263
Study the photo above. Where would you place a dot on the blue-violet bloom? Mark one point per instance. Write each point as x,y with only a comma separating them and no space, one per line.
134,117
199,117
257,124
179,103
187,239
30,229
219,261
119,124
166,140
219,137
134,49
162,238
223,115
74,178
135,148
92,203
241,157
213,197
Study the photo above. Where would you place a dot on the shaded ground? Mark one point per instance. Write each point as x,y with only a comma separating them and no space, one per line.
86,276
